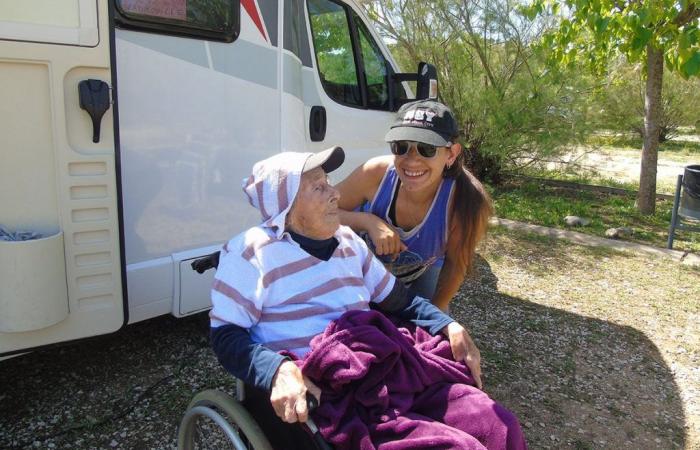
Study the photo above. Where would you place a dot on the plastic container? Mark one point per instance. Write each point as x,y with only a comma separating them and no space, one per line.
33,290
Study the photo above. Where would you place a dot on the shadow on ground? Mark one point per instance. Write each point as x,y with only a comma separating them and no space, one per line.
574,381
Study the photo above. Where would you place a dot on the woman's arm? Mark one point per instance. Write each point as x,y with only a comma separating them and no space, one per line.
453,270
360,187
253,363
358,220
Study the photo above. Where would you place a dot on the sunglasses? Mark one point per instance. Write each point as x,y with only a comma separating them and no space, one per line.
400,148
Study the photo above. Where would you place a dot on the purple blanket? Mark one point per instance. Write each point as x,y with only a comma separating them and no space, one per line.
389,388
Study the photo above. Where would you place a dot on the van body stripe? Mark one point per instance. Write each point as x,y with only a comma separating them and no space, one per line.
252,10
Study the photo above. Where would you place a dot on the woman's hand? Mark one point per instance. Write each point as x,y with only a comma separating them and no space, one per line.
385,238
464,349
288,396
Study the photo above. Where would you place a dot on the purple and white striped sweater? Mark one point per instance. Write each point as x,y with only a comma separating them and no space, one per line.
284,296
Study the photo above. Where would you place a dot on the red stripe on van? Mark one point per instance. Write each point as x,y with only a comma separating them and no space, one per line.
252,10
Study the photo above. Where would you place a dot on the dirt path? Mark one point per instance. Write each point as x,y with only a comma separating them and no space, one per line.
623,164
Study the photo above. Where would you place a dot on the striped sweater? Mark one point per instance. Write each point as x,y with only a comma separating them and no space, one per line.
284,296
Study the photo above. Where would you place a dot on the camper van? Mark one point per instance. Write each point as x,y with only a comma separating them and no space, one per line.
128,125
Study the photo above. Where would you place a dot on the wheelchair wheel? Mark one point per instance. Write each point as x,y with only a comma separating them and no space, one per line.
214,420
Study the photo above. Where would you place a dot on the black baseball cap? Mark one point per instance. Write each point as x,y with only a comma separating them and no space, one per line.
329,160
424,121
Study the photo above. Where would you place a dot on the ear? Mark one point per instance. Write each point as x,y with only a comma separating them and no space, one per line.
454,151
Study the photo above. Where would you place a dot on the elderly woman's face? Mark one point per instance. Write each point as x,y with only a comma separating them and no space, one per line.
314,213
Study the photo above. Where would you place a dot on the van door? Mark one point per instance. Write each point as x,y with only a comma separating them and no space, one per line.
353,71
57,175
199,104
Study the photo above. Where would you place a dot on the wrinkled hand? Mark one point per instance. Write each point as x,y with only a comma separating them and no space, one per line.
464,349
288,396
385,238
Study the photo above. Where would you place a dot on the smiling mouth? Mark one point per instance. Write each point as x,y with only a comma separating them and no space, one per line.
414,173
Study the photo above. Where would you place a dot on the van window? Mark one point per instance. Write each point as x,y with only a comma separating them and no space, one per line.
351,65
210,19
334,52
375,67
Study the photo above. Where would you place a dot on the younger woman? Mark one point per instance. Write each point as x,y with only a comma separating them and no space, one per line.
420,210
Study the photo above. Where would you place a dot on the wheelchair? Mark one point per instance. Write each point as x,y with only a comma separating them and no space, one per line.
217,420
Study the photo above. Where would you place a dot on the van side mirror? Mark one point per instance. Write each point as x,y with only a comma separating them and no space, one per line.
426,85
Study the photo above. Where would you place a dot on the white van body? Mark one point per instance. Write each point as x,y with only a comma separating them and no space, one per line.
123,218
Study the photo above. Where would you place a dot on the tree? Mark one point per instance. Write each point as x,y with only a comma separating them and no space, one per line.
620,101
652,32
512,110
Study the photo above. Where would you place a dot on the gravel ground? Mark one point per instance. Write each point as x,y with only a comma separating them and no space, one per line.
591,348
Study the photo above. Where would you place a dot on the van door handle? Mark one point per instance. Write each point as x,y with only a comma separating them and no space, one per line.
317,123
94,98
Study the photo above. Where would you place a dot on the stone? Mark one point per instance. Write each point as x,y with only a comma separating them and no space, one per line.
612,233
616,233
575,221
626,231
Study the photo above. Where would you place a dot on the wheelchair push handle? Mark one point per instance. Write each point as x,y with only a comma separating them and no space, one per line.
312,404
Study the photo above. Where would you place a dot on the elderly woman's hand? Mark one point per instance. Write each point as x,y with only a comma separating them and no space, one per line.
288,396
464,349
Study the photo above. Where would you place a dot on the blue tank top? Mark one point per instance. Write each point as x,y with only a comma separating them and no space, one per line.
426,241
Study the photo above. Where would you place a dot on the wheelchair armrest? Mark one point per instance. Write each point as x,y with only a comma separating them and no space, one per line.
205,263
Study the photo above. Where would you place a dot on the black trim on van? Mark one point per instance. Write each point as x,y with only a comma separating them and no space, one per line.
161,25
117,158
359,59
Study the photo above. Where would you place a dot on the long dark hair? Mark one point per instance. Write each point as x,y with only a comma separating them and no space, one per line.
471,210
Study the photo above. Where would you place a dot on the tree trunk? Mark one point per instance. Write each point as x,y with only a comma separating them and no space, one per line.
646,199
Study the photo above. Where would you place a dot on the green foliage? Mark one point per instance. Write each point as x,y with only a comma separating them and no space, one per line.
650,31
619,101
333,47
511,108
593,31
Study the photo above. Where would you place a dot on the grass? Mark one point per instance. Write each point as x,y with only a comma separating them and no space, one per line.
532,202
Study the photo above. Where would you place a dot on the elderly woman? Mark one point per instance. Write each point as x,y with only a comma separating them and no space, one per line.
282,285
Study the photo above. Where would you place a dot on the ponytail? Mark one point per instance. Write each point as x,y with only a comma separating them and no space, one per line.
471,209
